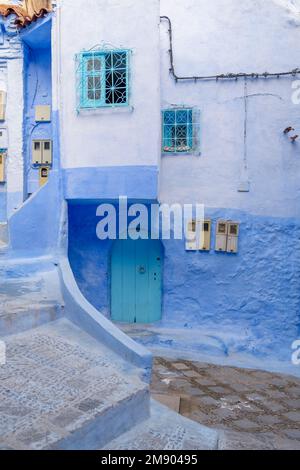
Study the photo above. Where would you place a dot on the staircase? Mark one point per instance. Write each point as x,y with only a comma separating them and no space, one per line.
29,296
61,388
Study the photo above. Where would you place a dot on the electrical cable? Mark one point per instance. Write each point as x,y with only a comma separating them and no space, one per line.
228,76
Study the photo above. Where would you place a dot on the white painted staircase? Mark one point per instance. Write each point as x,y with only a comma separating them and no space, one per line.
61,388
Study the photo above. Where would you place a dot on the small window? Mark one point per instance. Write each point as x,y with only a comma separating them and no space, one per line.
178,131
37,145
102,79
47,145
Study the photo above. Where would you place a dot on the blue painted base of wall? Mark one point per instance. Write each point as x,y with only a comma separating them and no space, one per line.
88,184
254,294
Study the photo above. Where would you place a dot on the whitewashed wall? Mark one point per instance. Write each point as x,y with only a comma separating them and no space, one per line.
232,36
111,137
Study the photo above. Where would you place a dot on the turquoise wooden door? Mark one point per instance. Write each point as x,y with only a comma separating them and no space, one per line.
136,281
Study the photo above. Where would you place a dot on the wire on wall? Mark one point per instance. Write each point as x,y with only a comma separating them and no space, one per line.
227,76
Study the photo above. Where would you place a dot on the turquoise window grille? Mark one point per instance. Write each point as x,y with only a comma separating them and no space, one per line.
178,132
102,78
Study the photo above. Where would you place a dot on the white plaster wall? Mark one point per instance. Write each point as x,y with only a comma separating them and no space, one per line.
232,36
111,138
14,123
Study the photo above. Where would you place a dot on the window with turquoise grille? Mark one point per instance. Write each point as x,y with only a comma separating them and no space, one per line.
178,131
102,78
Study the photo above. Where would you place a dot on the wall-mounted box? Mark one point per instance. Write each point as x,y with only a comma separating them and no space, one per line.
221,236
47,152
233,237
2,105
43,113
191,236
44,175
2,167
205,236
3,138
42,152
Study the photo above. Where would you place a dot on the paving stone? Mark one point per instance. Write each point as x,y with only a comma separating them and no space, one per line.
273,406
256,397
294,391
180,366
246,425
238,387
232,399
225,413
206,400
269,419
292,433
293,404
276,394
220,390
192,374
206,382
293,416
171,401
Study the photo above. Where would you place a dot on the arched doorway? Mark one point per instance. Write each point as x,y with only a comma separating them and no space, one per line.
136,281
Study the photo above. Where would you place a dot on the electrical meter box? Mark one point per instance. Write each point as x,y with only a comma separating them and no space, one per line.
3,138
42,152
47,152
205,236
2,105
43,113
44,175
191,241
233,237
2,167
221,236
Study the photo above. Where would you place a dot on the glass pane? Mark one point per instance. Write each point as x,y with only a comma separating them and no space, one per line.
169,117
181,117
93,64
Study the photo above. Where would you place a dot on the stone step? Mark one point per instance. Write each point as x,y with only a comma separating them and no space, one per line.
12,322
166,430
61,389
28,298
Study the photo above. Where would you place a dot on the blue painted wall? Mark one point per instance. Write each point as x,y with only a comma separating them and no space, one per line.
251,297
89,256
38,91
134,182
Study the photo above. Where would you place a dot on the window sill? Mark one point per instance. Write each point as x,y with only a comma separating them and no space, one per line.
105,110
181,154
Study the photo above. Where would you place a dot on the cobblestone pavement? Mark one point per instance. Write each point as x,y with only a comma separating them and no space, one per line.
257,409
